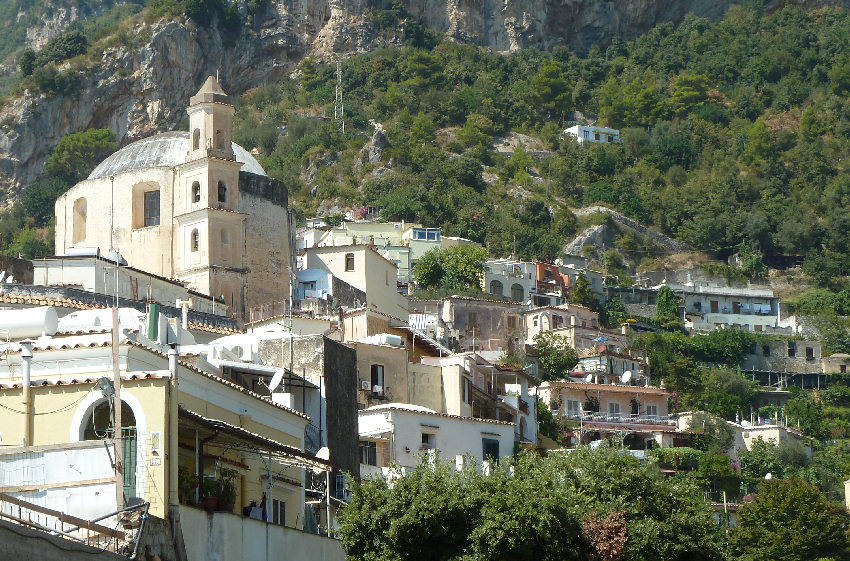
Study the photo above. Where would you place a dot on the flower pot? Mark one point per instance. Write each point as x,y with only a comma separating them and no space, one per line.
209,503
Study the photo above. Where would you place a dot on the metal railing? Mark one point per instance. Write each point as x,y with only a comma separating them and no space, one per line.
616,418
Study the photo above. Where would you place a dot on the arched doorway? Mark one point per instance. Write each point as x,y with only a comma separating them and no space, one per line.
98,425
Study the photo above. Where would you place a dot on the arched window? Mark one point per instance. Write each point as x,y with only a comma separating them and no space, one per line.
349,261
196,139
222,192
496,288
195,240
517,293
80,211
196,192
99,426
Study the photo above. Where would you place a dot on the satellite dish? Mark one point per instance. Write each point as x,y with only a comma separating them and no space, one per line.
588,378
626,377
768,476
278,376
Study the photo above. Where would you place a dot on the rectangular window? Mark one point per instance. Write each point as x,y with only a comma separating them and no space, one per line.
278,514
512,322
792,349
596,136
341,490
151,208
491,449
810,352
842,368
586,134
466,389
652,411
573,408
377,376
419,234
610,138
368,453
433,235
714,306
429,441
614,409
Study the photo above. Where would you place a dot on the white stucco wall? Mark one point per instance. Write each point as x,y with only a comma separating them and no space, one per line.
453,436
230,537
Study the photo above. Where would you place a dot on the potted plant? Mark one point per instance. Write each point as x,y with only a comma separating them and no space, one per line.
209,491
187,482
227,489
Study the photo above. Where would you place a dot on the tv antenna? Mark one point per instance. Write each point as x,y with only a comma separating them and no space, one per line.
339,109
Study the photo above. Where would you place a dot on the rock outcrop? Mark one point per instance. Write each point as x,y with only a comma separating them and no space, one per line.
603,235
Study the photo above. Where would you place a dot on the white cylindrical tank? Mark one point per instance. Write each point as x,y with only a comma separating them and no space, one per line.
28,322
389,339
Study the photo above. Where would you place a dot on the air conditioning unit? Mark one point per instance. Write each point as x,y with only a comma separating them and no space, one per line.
364,385
378,390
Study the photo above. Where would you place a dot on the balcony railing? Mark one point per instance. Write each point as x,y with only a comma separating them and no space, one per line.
619,419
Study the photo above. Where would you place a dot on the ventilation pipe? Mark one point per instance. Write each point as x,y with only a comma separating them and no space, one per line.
172,428
184,306
26,366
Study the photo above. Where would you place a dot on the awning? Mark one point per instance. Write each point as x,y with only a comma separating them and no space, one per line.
237,438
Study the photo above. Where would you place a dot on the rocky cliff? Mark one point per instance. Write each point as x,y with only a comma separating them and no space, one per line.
137,92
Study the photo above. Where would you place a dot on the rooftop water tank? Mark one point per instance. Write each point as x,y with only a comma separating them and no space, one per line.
28,322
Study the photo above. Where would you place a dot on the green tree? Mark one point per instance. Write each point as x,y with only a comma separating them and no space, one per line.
806,413
78,153
556,356
463,266
39,197
687,91
587,505
458,267
27,62
428,271
552,90
29,245
762,458
580,292
790,520
667,305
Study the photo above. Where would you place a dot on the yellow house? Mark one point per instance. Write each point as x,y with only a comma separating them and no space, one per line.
186,433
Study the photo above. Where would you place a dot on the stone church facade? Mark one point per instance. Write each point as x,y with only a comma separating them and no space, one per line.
191,206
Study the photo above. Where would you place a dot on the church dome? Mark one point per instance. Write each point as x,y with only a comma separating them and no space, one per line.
164,150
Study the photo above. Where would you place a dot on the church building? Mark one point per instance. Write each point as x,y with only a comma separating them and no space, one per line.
192,206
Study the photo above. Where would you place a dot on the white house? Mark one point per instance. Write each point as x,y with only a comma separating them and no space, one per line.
590,133
400,433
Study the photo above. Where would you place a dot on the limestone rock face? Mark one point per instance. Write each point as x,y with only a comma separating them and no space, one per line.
142,90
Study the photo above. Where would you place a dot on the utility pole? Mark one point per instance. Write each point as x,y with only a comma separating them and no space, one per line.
339,109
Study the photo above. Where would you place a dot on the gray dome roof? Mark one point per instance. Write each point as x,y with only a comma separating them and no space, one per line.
163,150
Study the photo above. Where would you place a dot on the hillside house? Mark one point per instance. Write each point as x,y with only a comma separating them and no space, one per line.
592,133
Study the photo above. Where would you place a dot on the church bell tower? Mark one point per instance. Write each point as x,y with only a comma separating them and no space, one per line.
210,229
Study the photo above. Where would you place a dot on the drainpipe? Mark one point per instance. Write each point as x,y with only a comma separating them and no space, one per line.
26,365
173,498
